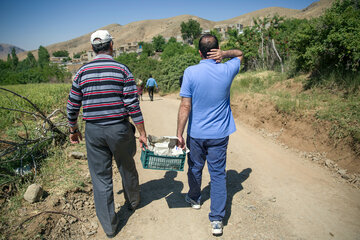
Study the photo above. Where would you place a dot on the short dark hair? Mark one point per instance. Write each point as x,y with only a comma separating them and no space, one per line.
101,47
206,43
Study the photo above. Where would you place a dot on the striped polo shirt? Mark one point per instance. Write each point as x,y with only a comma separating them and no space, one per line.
107,92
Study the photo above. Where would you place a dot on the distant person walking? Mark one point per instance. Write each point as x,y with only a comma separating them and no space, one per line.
107,91
150,84
205,101
139,87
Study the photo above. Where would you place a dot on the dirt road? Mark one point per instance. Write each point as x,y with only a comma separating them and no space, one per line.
272,193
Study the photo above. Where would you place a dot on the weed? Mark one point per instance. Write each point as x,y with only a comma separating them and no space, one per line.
47,97
339,107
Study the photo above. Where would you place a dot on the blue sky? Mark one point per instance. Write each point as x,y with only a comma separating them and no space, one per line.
30,23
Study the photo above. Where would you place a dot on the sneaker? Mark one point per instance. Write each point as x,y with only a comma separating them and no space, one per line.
194,205
217,227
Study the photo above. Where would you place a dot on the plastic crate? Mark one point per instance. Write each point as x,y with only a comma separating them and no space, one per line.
150,160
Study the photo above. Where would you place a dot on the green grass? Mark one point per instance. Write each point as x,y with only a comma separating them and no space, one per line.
60,172
340,108
55,172
15,125
47,97
255,82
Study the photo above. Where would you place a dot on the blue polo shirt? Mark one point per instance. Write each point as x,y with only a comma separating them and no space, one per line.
208,85
151,83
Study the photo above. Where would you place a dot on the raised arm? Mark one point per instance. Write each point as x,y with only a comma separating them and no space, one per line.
218,54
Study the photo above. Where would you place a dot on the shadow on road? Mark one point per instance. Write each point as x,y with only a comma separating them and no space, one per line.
170,189
160,188
151,191
234,182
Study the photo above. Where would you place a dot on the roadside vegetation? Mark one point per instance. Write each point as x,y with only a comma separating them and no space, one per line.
288,97
33,125
30,70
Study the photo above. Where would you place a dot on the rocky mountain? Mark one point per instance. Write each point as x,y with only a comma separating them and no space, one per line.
145,30
6,49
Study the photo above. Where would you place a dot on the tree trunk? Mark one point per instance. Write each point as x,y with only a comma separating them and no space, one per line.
277,54
262,50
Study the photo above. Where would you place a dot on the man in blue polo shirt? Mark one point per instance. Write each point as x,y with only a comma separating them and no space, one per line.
150,84
205,101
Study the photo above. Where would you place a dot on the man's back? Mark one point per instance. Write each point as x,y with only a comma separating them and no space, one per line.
208,85
151,82
107,91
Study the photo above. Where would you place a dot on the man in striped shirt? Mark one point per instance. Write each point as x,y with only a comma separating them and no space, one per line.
107,92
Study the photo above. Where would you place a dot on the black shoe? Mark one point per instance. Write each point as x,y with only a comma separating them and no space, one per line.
117,230
130,207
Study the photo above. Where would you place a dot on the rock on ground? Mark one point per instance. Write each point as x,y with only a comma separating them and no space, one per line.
33,193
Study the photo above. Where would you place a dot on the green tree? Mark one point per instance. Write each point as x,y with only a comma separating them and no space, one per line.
129,59
147,49
140,67
78,55
215,33
61,53
190,30
172,40
170,70
330,45
9,61
15,59
44,57
176,48
158,43
171,49
30,60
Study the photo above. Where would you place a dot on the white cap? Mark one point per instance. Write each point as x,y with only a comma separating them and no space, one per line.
100,36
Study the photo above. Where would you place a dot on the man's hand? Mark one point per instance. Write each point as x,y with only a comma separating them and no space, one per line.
142,138
183,115
75,138
181,142
143,142
216,54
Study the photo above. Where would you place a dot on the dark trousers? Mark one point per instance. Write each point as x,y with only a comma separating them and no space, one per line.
103,143
151,93
214,152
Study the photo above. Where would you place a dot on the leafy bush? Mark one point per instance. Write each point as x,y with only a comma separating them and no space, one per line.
31,71
172,69
176,48
176,57
330,46
61,53
159,43
141,67
147,49
78,55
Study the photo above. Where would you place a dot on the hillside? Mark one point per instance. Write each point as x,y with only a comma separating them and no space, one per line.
5,49
145,30
247,19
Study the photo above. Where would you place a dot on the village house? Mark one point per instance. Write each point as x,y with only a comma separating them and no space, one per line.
135,47
57,59
224,28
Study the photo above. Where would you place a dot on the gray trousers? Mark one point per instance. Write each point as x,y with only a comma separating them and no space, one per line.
103,143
